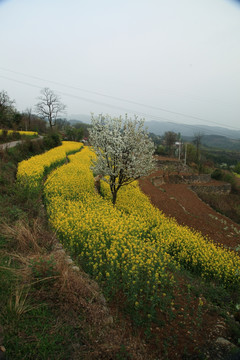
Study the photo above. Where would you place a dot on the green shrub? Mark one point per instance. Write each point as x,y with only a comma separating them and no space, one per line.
217,174
43,267
228,177
3,135
52,140
237,168
24,150
160,150
15,135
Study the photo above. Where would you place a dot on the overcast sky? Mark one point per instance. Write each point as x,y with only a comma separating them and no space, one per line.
128,56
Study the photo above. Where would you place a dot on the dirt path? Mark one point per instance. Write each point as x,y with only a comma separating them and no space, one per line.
10,144
178,201
14,143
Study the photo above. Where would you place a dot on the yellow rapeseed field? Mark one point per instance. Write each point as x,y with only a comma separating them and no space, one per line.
132,246
25,133
31,172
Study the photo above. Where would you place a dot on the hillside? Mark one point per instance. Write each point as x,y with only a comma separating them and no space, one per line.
159,128
213,136
149,292
179,201
217,142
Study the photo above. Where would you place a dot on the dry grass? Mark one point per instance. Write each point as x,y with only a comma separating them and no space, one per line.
28,238
70,293
77,294
18,302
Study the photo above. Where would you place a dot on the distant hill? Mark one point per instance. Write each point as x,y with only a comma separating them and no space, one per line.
217,142
73,119
213,136
159,128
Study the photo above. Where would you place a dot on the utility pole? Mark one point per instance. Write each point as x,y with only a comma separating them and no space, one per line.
185,157
178,143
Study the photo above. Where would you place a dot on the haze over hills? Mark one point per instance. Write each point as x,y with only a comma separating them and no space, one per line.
75,118
213,136
217,142
159,128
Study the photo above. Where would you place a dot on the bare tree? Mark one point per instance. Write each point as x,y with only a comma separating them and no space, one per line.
49,106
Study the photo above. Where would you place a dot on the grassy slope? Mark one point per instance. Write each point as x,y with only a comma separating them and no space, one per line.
48,310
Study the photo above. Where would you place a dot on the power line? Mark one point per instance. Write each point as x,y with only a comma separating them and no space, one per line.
72,95
154,117
121,99
86,99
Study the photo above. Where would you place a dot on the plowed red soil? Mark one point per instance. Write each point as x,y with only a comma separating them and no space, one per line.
181,203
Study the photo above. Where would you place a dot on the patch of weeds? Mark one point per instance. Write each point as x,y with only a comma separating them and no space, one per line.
37,334
14,213
23,194
215,293
2,180
234,330
123,354
227,205
43,267
8,278
32,330
2,242
163,190
18,303
218,295
30,203
9,166
199,356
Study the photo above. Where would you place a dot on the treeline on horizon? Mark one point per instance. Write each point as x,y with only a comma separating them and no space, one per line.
12,119
200,147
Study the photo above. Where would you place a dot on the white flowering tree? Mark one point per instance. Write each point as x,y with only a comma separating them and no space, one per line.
124,150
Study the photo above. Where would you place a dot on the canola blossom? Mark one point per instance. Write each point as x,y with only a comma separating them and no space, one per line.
25,133
188,247
31,172
107,240
131,247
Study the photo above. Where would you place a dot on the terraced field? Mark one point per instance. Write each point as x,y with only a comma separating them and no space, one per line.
138,255
181,203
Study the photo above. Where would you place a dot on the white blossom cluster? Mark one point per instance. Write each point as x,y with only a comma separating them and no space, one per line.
124,150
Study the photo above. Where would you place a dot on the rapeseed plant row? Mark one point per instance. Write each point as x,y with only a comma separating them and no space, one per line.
25,133
188,247
31,172
131,247
107,240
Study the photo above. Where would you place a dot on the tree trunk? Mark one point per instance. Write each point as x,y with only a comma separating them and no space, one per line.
114,197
